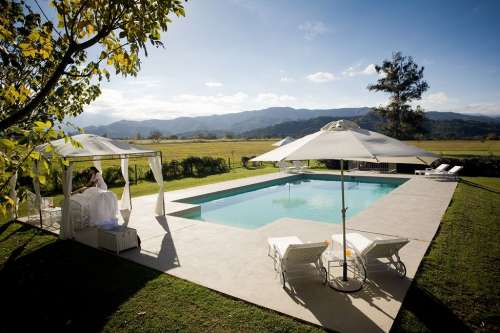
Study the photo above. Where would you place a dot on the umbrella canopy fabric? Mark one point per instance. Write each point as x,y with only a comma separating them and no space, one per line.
94,145
345,140
283,142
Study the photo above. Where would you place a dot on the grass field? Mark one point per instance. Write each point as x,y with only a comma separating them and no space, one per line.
56,285
235,149
459,148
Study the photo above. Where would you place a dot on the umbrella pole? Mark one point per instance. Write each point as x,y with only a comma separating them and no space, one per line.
344,265
344,284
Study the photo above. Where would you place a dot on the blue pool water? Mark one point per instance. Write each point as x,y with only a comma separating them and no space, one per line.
310,197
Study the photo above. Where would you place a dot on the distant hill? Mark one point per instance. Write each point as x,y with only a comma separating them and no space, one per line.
235,123
446,129
242,123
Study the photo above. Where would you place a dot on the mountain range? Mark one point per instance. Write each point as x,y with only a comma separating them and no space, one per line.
267,122
450,128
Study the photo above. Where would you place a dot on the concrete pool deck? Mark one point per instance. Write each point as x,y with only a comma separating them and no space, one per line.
234,261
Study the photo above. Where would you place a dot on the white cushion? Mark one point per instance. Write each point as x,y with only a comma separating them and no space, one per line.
282,243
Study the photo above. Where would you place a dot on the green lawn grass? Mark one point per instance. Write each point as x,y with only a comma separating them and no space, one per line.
456,288
52,284
460,148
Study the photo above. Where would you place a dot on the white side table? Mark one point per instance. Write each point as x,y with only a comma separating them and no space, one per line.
333,259
117,239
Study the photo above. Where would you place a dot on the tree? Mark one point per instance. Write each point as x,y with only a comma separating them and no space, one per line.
402,78
47,73
155,136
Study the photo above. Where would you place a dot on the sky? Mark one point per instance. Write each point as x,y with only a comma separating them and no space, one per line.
237,55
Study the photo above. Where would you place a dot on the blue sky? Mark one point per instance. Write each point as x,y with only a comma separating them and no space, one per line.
235,55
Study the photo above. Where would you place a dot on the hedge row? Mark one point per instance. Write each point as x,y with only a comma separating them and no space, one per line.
487,166
477,166
189,167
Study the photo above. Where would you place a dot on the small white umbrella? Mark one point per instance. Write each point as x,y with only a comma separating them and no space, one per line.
283,142
345,140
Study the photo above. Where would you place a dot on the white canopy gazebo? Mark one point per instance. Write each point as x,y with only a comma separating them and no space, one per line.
345,140
96,149
283,142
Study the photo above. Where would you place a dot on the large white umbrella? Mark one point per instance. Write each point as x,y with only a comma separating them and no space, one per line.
283,142
345,140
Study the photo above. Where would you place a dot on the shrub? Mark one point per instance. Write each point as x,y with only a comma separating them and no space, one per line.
113,176
245,160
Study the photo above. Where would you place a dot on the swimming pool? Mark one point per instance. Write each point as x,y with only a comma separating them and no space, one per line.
309,197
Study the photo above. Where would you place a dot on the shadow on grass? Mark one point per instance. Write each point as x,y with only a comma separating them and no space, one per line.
66,286
5,226
435,315
479,186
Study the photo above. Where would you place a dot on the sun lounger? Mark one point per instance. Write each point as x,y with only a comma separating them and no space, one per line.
299,166
291,255
440,168
285,166
376,253
451,174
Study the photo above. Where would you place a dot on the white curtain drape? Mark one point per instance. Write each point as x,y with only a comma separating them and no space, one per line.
97,163
66,224
155,165
125,201
13,195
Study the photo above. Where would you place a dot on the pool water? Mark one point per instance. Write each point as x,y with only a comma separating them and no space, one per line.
309,197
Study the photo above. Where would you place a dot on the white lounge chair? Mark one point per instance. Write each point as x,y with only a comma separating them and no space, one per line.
371,250
450,174
442,167
299,166
291,255
285,166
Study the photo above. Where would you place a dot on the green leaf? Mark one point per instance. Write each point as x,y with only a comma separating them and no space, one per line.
41,179
9,144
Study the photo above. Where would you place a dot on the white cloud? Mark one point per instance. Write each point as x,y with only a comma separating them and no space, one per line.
358,70
482,108
438,101
113,105
213,84
237,98
144,83
312,29
321,77
286,79
270,99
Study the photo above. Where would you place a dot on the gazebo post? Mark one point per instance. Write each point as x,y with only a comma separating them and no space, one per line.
161,170
39,197
129,192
